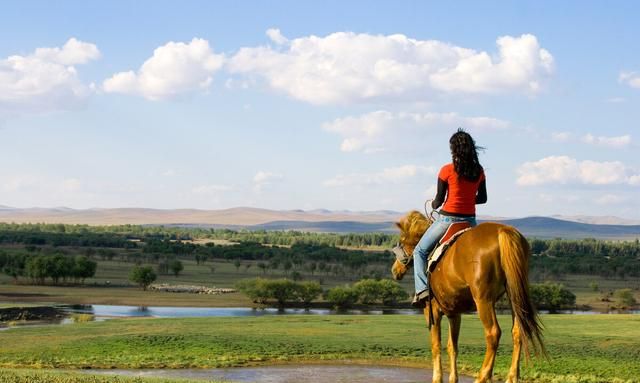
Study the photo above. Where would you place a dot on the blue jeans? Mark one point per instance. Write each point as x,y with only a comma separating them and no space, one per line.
427,243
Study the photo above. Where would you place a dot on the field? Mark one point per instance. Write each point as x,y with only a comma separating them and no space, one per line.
31,376
119,291
582,348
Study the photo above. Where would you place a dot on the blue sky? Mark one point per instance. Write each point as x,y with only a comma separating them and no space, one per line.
300,105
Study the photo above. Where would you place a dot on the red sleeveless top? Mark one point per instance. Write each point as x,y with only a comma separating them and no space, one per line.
461,194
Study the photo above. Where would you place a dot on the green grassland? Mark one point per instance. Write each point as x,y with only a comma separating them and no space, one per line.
31,376
582,348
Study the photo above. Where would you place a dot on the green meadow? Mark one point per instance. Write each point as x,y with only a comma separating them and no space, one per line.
40,376
582,348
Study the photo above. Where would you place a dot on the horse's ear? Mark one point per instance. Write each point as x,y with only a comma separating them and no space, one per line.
399,225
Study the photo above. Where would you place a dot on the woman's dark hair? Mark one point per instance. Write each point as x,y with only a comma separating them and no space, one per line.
464,153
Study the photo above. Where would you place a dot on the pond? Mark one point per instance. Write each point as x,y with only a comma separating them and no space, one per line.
293,373
181,312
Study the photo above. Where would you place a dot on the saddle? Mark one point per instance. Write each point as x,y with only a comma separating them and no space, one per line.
453,232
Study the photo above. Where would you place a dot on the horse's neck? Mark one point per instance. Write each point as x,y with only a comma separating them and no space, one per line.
421,227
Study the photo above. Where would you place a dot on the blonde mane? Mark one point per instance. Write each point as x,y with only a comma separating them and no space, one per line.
412,227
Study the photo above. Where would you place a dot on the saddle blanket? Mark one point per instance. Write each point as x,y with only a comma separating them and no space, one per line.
442,247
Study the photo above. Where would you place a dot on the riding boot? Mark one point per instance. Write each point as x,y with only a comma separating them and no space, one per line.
420,299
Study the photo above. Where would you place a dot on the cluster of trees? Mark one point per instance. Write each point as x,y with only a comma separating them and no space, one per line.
552,296
284,291
39,267
61,235
40,231
311,258
608,259
367,292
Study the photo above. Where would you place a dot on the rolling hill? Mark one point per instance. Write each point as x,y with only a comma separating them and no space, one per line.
319,220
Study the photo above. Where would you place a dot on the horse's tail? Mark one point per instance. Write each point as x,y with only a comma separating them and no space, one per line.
514,257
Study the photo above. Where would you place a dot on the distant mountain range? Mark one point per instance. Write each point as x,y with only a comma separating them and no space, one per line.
319,220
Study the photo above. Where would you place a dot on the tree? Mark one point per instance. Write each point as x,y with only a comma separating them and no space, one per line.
308,291
282,290
552,296
84,268
287,266
262,266
176,267
391,292
143,276
342,297
237,264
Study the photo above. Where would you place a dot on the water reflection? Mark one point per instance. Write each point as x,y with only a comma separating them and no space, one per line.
181,312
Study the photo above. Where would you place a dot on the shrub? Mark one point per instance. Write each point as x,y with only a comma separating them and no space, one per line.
552,296
260,290
254,289
624,298
392,292
383,291
342,297
369,291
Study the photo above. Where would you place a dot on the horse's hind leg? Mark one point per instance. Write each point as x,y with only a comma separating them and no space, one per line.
514,371
436,344
452,347
492,334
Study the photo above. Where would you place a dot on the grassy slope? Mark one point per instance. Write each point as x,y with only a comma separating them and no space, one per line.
594,348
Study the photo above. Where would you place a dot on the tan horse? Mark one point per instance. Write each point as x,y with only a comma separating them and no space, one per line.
483,264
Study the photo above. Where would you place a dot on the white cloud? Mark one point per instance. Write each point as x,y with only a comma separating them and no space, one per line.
612,142
276,36
263,179
616,100
383,130
566,170
175,69
346,67
393,175
630,78
46,79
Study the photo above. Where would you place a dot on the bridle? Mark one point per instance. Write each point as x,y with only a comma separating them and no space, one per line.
401,255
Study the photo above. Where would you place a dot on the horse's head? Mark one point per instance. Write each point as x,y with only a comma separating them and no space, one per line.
412,226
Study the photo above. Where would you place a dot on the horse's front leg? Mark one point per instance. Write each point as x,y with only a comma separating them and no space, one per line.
452,347
436,344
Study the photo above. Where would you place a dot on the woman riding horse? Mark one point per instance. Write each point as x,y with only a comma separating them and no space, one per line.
482,265
463,183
